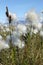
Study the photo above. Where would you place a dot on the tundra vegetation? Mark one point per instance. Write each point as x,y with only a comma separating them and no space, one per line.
24,43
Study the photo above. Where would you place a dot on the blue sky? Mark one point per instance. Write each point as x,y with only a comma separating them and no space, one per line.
20,7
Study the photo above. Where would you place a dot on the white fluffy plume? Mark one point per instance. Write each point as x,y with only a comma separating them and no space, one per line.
13,16
32,17
19,43
3,45
22,29
34,20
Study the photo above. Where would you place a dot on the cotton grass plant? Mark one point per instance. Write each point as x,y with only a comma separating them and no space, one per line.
23,49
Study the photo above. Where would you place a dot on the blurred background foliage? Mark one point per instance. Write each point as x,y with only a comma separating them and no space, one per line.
31,54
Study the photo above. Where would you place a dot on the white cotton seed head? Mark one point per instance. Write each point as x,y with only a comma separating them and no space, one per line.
0,37
7,39
41,33
13,16
19,43
32,16
35,31
7,29
21,28
3,45
16,34
39,26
